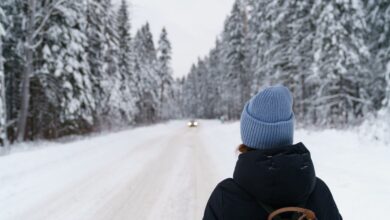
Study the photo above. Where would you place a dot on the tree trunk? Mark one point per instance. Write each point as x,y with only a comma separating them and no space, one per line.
25,90
3,110
161,109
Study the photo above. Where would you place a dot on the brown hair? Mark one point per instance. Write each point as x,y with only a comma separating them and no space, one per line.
242,148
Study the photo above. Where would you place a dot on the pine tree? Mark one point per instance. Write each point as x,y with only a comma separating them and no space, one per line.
237,78
146,74
36,15
191,94
62,100
13,53
206,89
297,71
340,58
278,54
165,74
117,110
3,114
128,87
215,82
110,89
378,41
178,90
96,15
260,36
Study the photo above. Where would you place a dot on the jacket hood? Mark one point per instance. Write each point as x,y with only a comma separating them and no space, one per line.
278,177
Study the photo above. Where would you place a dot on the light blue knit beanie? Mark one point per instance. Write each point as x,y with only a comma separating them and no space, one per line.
268,120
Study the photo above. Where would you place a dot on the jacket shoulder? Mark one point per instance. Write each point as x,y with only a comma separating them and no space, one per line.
230,201
321,201
229,186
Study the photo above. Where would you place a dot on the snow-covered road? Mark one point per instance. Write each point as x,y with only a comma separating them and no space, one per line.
147,173
168,171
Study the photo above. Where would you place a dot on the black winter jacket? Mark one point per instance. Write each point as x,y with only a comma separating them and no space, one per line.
279,178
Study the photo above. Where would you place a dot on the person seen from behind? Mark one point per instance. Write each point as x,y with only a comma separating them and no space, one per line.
273,178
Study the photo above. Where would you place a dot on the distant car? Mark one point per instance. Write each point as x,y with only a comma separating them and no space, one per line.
192,124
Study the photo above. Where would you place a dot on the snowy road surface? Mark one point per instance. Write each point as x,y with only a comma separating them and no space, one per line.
168,171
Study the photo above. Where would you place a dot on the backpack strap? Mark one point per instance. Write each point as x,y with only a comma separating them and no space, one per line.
269,210
306,213
299,213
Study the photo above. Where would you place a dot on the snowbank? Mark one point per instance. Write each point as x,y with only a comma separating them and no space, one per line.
377,128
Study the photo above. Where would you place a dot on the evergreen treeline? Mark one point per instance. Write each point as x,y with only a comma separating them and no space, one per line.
334,55
72,67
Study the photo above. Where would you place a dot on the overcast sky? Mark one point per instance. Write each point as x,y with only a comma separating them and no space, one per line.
192,25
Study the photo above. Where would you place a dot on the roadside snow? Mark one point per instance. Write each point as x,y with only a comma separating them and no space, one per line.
168,171
377,128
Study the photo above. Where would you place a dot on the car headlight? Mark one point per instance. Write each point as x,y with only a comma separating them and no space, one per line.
189,123
196,123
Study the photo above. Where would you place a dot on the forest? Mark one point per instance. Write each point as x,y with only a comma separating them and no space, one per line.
72,67
334,56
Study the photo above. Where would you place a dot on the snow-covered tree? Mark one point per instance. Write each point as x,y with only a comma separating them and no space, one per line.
191,94
147,75
378,41
236,60
116,110
165,73
36,16
214,82
179,98
128,87
259,37
340,58
62,101
290,50
111,88
13,53
96,15
3,113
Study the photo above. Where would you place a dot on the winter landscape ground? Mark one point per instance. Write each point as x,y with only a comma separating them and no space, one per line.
167,171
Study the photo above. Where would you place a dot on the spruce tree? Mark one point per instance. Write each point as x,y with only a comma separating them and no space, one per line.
298,71
13,54
260,36
96,15
3,114
378,41
116,110
37,16
236,60
191,94
215,82
128,87
165,73
340,59
146,74
109,88
62,101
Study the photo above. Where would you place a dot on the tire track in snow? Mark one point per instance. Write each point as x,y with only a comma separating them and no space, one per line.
139,196
205,177
190,184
